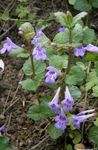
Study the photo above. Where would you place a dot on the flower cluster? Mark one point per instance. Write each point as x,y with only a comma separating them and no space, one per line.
8,46
39,52
64,106
51,75
80,51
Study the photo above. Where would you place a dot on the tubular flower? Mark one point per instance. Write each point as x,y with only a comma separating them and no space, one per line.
91,48
3,129
39,53
86,111
62,29
68,102
76,120
80,51
61,121
51,75
53,105
39,34
8,46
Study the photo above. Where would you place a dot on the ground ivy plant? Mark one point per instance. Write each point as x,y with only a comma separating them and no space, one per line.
67,65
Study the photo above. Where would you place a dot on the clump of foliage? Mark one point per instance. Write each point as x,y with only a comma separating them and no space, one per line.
65,65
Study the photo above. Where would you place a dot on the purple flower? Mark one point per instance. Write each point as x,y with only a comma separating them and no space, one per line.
61,121
51,75
62,29
68,102
39,52
3,129
91,48
76,120
8,46
53,105
80,51
39,34
86,111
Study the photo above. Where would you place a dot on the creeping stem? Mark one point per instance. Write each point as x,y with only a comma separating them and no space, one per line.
32,60
70,52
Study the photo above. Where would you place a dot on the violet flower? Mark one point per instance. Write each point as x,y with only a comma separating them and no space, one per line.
68,102
62,29
76,120
91,48
39,34
53,105
8,46
61,121
80,51
39,52
51,75
86,111
3,129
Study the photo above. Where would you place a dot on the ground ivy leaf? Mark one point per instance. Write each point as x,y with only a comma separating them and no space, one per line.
38,112
93,135
3,142
96,122
62,37
32,85
88,35
53,132
82,5
75,92
58,61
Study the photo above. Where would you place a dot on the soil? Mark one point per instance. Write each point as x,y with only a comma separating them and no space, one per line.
24,133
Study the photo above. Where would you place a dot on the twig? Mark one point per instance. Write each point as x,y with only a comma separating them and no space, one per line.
4,34
37,145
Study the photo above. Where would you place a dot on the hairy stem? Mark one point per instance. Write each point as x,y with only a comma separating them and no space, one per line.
70,51
32,61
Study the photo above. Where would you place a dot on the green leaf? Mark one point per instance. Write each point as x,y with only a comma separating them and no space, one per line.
96,122
82,5
72,2
88,35
27,68
4,141
32,85
5,16
91,57
49,50
95,91
19,52
93,135
75,92
62,37
77,33
53,132
39,67
95,3
61,18
78,17
92,80
96,68
68,147
77,137
38,112
76,76
58,61
22,11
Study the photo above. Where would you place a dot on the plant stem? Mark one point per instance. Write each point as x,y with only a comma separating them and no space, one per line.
32,60
70,51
